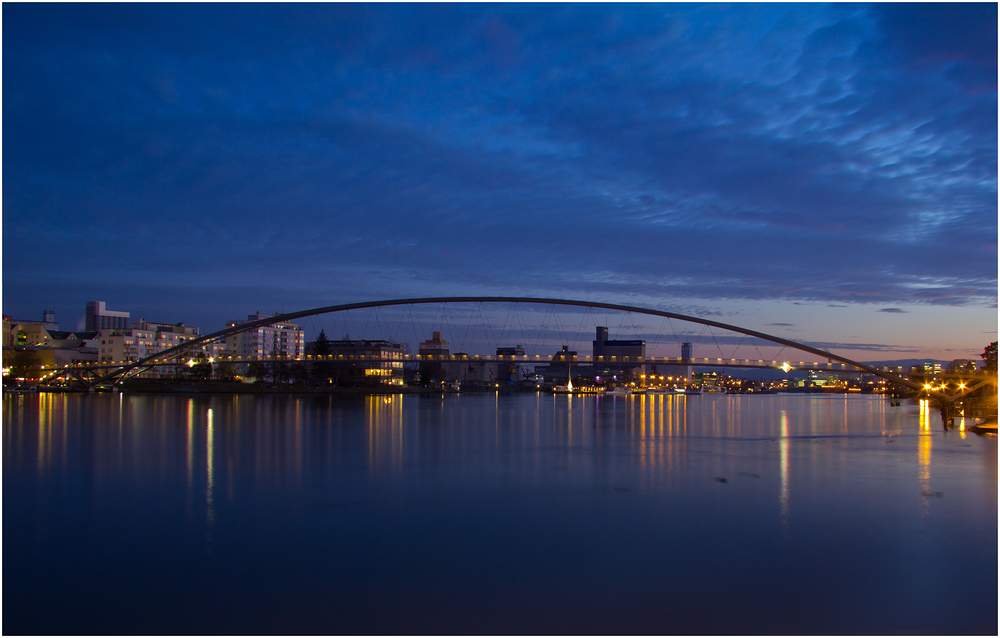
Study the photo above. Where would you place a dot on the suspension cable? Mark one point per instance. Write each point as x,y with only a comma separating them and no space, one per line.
631,318
716,341
583,320
562,335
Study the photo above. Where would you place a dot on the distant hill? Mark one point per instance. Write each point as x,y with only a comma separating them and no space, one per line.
907,363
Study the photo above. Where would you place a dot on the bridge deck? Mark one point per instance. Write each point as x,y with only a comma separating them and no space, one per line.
540,360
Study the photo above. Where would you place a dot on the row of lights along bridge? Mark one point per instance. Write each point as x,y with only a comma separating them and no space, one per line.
278,353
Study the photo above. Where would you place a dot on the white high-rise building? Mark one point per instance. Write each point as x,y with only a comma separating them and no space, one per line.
282,339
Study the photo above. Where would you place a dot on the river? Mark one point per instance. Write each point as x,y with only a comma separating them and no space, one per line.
471,514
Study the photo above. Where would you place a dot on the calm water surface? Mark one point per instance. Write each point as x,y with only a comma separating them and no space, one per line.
160,514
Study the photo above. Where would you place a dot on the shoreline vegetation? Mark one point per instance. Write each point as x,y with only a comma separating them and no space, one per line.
177,386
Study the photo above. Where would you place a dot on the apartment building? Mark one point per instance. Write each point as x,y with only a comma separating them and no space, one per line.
282,339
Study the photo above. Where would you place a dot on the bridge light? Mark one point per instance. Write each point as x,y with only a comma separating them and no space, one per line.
785,367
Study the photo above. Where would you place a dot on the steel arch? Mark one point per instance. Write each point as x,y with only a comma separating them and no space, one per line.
187,345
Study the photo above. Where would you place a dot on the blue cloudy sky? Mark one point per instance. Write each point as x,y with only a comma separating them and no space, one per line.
827,173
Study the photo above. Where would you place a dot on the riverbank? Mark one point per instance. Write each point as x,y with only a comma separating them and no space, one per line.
174,386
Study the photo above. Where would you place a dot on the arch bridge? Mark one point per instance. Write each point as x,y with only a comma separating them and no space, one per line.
114,374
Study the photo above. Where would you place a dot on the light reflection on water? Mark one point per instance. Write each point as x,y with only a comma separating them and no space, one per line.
493,514
783,451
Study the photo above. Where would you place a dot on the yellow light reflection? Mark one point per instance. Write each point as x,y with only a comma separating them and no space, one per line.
924,456
210,471
190,447
783,460
384,423
44,430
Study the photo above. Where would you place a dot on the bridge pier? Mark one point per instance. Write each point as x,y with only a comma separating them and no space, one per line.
947,409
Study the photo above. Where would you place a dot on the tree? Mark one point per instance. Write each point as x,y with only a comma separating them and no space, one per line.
322,344
201,370
199,367
226,371
990,357
299,372
26,365
279,368
257,370
323,370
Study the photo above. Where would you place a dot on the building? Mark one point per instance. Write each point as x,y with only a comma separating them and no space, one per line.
474,372
58,357
709,382
434,366
962,365
282,340
363,362
823,379
612,350
9,331
471,372
687,354
144,339
930,367
33,363
44,345
618,358
70,340
125,345
563,364
100,318
27,332
169,335
509,372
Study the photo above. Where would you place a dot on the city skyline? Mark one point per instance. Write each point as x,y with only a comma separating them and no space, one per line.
824,173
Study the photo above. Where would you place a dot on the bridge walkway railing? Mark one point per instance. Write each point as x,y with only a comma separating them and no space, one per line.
523,359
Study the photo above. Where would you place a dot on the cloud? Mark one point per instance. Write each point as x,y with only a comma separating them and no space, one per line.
831,346
892,310
960,40
706,152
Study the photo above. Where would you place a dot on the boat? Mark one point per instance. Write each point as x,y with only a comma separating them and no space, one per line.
564,389
23,389
987,426
618,392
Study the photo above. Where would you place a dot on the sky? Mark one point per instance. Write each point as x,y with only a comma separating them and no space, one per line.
824,173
